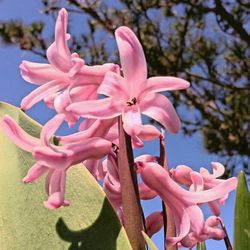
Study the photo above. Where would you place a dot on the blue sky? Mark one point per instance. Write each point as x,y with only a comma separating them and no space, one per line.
180,149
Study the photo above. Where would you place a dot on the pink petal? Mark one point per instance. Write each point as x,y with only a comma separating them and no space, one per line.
181,174
145,192
164,83
132,58
82,93
18,135
160,109
99,128
92,148
97,109
113,85
41,92
98,70
49,100
48,157
198,184
183,225
58,52
146,158
95,168
73,153
197,221
50,128
56,190
131,118
93,75
156,176
40,73
218,169
35,172
148,132
215,207
77,64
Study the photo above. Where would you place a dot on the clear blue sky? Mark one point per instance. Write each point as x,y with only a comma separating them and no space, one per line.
180,149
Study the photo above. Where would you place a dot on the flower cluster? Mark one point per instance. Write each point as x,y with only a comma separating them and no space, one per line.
71,87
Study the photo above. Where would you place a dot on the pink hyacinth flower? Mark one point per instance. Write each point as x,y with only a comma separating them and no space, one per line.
133,94
201,181
65,70
183,203
53,160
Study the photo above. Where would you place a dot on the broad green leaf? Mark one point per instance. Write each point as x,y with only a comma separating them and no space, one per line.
88,223
149,242
242,215
201,246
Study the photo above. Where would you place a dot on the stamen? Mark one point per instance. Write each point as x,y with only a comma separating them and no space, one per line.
132,102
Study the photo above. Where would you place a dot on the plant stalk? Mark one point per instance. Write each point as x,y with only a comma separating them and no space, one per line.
168,220
133,216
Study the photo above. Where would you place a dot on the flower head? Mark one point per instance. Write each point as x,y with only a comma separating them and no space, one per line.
65,71
51,159
184,204
133,93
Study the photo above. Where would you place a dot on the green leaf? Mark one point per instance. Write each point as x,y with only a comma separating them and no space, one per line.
88,223
149,242
242,215
201,246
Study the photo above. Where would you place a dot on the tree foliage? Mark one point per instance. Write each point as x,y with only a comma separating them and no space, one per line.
205,42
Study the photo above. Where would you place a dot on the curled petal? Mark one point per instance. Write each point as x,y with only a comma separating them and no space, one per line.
181,174
34,173
73,153
56,189
40,73
158,179
58,52
164,83
41,92
113,85
50,128
132,58
161,109
97,109
148,132
99,128
98,70
18,135
218,169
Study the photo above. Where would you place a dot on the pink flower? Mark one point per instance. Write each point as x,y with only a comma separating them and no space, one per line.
133,94
183,203
197,182
66,70
54,160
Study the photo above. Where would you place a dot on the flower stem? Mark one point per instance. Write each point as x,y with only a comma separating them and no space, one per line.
168,220
226,239
133,216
